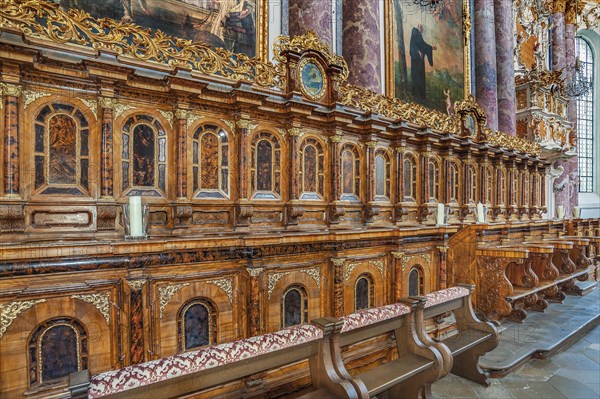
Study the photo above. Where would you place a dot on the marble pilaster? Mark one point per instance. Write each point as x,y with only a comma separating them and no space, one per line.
505,48
485,60
361,42
558,42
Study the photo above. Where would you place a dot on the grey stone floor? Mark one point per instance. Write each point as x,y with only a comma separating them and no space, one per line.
573,373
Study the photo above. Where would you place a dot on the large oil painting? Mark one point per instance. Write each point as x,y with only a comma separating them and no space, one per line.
427,47
229,24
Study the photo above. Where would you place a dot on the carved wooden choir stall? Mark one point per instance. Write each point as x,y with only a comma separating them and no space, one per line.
277,195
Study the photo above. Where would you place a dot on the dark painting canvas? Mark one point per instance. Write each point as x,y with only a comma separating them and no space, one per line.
428,54
230,24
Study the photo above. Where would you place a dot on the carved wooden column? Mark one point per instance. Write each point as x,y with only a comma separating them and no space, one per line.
370,208
442,277
338,286
243,211
293,209
106,152
397,283
136,321
254,324
107,208
11,93
425,212
400,182
181,116
512,185
335,208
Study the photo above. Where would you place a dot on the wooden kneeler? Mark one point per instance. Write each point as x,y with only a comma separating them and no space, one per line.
474,339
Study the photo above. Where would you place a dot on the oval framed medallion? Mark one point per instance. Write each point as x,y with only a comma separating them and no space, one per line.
312,79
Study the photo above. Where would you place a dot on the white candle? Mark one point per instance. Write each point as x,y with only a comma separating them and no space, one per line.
576,212
440,215
560,211
135,216
480,217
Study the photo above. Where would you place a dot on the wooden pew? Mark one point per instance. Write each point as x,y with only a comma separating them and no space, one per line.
191,372
417,365
474,339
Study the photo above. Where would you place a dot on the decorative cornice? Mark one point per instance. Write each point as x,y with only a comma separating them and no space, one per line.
136,285
166,293
101,301
226,285
29,96
91,105
10,311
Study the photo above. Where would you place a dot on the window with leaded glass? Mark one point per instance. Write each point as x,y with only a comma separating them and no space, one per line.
585,120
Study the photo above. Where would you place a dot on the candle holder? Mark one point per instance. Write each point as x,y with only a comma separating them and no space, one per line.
125,221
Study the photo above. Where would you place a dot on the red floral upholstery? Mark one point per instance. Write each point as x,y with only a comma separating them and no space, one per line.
437,297
367,317
190,362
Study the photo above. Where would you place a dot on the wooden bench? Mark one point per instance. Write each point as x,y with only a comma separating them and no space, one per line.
474,338
191,372
417,365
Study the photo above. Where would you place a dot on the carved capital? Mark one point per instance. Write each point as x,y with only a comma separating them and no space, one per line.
181,114
295,132
338,138
371,144
246,124
9,89
255,271
136,285
105,102
443,249
338,262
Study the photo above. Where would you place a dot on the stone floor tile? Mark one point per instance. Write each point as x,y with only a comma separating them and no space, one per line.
580,375
572,389
529,373
453,387
575,361
545,364
592,353
595,388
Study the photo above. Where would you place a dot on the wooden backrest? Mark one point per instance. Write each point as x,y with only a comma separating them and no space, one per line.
446,300
211,366
370,323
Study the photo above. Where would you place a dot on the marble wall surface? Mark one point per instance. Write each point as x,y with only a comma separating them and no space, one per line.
313,15
485,60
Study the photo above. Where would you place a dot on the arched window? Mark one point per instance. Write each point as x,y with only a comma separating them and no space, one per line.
210,162
453,177
312,165
586,147
265,172
502,189
488,183
382,175
415,281
197,324
294,306
61,150
363,292
350,172
144,156
57,348
410,178
433,168
471,184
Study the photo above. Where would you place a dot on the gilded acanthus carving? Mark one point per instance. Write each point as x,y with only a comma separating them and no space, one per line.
226,285
121,108
313,272
29,96
168,115
273,279
246,124
230,124
136,285
10,311
166,293
255,271
405,258
91,105
308,41
101,301
106,102
45,20
9,89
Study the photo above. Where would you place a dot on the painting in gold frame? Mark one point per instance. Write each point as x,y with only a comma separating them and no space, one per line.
428,53
238,26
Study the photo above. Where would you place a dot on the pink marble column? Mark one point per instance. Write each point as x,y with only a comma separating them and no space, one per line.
485,61
558,42
569,196
315,15
505,48
361,44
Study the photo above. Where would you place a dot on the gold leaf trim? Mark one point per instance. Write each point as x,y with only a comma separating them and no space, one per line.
100,301
168,115
91,105
10,89
166,293
29,96
135,285
10,311
226,285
